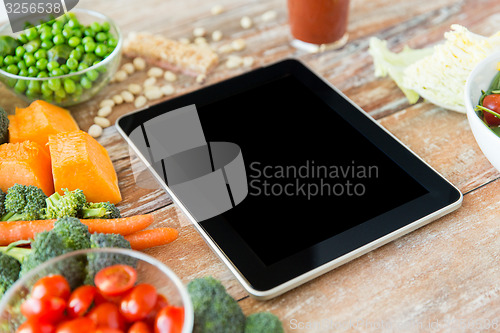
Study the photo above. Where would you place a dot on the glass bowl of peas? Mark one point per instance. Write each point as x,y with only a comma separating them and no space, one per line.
65,61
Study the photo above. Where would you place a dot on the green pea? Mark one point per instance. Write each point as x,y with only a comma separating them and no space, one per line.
34,86
42,53
78,33
90,47
22,38
87,39
55,84
60,93
44,28
20,51
23,72
31,94
33,71
29,59
46,35
67,33
101,37
42,74
92,75
72,63
58,39
58,25
46,91
69,86
8,60
64,68
47,44
56,72
82,66
89,32
73,23
75,54
106,26
74,41
32,46
113,42
12,69
86,83
32,34
95,26
80,49
22,65
20,86
41,64
52,65
78,91
11,82
101,50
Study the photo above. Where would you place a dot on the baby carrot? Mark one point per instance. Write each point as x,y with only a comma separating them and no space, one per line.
23,230
150,238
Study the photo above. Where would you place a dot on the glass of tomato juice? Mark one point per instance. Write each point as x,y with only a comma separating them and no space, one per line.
318,25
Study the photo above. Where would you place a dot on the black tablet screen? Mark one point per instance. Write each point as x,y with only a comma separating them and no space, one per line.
311,175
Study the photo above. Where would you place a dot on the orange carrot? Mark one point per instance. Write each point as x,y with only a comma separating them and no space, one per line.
150,238
23,230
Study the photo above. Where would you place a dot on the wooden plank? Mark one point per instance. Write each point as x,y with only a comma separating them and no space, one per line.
442,272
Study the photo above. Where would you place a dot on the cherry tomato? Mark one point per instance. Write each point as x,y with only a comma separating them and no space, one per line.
139,327
47,309
107,330
80,301
115,280
35,326
100,299
137,304
78,325
51,286
170,320
161,302
492,102
107,315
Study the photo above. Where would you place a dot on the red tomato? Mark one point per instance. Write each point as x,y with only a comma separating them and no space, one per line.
170,320
47,310
115,280
108,330
51,286
139,327
161,302
78,325
80,301
137,304
107,315
35,326
100,299
492,102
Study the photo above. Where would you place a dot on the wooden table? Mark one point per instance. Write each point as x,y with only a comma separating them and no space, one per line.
445,271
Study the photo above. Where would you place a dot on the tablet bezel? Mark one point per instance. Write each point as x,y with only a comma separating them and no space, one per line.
264,282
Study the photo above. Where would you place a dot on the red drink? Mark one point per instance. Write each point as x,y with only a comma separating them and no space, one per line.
319,22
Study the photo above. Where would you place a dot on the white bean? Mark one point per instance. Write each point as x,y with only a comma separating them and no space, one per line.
155,72
140,101
233,62
139,64
170,76
248,61
153,92
107,102
121,76
95,131
135,88
127,96
238,44
129,68
246,22
118,99
105,111
101,121
168,89
150,82
216,35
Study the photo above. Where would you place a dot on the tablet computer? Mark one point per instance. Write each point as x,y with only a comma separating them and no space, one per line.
284,176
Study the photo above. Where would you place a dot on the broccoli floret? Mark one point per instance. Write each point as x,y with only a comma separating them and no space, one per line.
263,322
214,309
100,210
4,127
24,203
75,234
9,272
98,261
68,204
2,203
68,235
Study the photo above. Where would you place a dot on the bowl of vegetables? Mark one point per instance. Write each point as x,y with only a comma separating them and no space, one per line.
87,290
482,101
65,61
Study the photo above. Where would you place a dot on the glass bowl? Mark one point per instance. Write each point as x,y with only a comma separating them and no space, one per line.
105,69
149,270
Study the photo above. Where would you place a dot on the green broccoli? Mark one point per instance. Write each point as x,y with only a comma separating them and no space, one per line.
69,204
4,127
9,272
2,205
98,261
100,210
24,203
214,309
263,322
75,234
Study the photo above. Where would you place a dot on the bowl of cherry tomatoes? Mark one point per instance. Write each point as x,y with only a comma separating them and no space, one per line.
482,102
123,291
